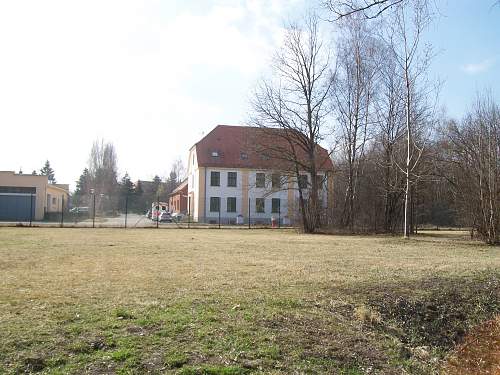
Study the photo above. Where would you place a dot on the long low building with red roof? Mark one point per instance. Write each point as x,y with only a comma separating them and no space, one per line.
232,178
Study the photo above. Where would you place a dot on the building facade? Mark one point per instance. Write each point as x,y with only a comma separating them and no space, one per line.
178,202
25,197
228,179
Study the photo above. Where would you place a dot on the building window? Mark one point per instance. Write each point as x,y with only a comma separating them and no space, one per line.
243,156
275,205
276,181
303,181
260,180
260,205
214,204
214,178
320,181
215,154
231,204
231,179
54,200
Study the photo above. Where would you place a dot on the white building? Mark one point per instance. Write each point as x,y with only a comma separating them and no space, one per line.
227,178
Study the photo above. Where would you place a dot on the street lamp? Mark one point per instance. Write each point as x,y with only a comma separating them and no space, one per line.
92,192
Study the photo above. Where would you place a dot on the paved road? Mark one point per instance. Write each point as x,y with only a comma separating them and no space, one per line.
133,221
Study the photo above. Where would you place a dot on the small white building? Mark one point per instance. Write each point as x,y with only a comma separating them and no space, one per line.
228,178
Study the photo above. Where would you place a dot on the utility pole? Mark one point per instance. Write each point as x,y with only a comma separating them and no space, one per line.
92,191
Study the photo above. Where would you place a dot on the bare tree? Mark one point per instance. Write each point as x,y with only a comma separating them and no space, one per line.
390,115
406,25
353,95
369,9
179,170
103,173
291,109
473,167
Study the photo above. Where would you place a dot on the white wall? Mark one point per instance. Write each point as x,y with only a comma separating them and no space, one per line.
223,192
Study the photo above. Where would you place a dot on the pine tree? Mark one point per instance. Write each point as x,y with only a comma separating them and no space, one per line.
127,193
172,182
49,172
82,187
141,202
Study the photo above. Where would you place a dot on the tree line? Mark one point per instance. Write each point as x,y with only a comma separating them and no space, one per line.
398,161
100,179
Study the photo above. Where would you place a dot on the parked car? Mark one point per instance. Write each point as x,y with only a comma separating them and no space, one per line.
79,210
177,216
156,210
165,217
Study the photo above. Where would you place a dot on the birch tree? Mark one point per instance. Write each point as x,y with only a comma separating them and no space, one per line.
405,29
353,95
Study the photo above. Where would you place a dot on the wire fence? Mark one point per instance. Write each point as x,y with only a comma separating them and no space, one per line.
112,212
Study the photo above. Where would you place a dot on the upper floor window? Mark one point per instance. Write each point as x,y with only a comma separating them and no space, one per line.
231,179
260,180
243,156
276,180
214,178
320,181
303,181
215,154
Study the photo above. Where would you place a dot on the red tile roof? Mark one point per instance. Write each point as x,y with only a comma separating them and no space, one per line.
237,147
181,189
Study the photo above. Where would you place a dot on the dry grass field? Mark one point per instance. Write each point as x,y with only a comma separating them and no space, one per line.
237,301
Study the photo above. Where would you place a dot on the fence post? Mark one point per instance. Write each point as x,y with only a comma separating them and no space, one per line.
31,208
126,209
249,210
219,212
157,216
93,213
279,213
189,211
62,211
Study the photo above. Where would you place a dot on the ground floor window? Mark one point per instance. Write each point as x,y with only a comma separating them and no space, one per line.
231,204
260,205
214,204
303,181
275,205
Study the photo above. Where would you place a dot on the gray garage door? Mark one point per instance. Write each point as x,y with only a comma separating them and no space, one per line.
15,203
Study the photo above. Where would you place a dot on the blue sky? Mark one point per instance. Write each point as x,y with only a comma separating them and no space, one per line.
153,76
466,38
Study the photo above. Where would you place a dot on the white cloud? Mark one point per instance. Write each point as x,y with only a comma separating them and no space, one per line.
476,68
